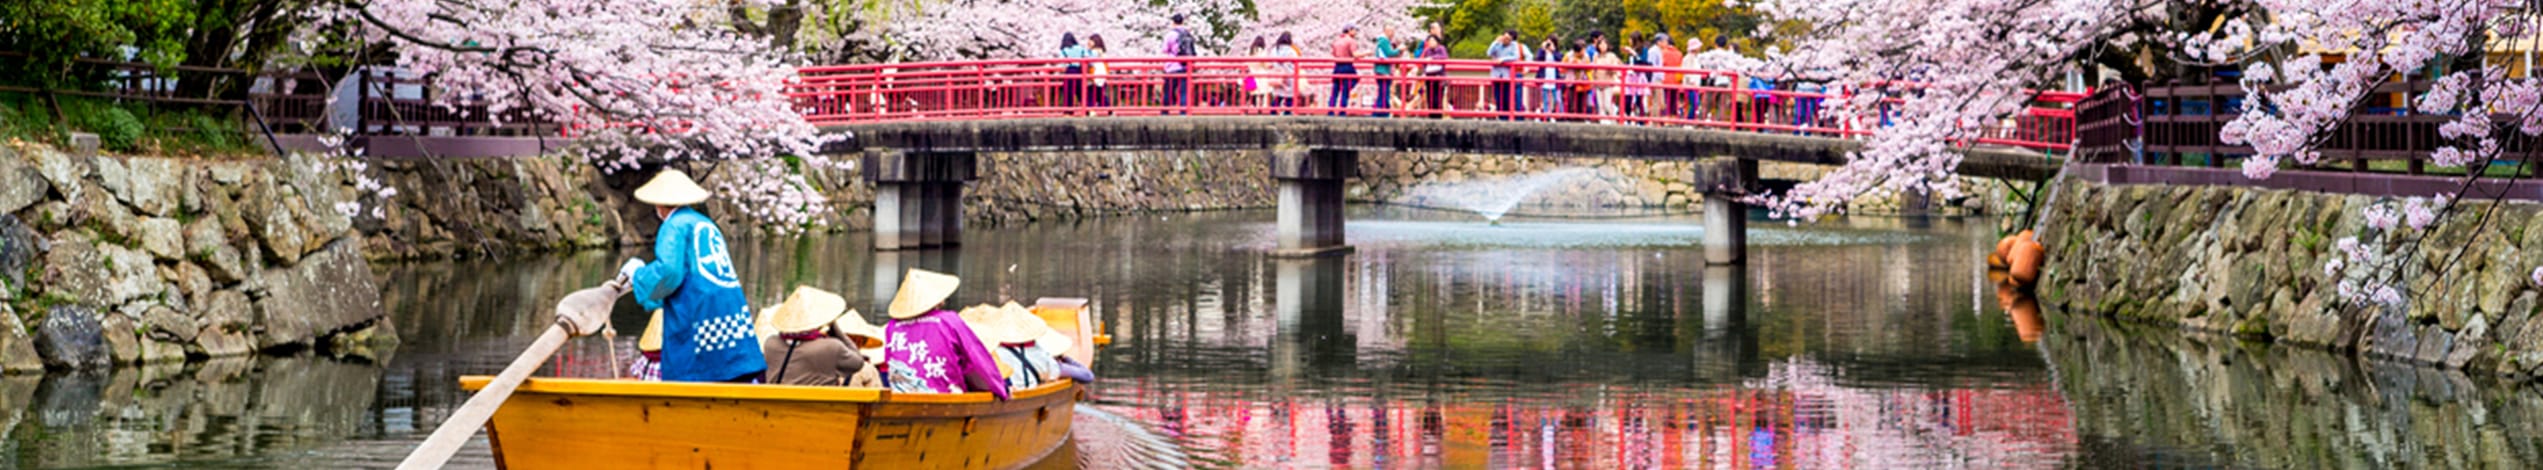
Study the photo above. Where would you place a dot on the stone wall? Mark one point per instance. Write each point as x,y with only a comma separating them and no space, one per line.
112,259
1608,183
2248,262
488,207
496,207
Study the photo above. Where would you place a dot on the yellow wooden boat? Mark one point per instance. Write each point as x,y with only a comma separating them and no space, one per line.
628,424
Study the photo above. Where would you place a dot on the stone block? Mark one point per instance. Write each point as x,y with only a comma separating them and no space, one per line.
71,337
21,184
327,292
154,186
175,325
74,268
161,237
130,275
17,349
20,246
123,338
205,243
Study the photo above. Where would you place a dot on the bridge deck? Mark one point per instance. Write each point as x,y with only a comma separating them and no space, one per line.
1575,140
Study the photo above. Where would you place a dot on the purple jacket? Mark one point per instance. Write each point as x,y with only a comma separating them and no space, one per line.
937,353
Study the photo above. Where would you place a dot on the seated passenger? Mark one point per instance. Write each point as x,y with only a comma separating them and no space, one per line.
1021,341
799,345
931,350
868,340
648,364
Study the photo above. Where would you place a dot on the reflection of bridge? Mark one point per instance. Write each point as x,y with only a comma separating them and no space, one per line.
919,127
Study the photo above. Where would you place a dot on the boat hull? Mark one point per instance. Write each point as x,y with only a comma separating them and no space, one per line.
587,423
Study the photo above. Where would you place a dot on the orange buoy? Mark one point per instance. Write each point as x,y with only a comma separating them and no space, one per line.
2026,257
2004,248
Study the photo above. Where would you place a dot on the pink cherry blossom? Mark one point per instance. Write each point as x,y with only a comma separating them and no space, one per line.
636,81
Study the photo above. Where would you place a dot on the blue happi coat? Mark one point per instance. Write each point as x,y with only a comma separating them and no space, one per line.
706,323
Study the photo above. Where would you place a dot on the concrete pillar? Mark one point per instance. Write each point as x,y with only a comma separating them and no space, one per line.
1725,180
1311,202
917,197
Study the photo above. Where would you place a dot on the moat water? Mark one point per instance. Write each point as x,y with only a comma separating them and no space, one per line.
1442,342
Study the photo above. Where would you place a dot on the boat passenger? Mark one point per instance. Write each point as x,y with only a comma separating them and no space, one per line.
648,363
1021,341
801,346
706,325
931,350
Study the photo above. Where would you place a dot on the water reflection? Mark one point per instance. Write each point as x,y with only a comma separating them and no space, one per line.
1595,344
2156,397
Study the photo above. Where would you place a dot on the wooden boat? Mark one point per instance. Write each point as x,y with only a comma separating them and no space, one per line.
626,424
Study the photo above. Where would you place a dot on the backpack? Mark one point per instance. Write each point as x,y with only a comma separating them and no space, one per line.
1180,44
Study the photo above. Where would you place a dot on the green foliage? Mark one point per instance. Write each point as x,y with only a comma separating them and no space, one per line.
1471,24
57,31
116,128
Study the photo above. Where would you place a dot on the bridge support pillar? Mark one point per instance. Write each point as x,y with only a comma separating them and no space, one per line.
1311,199
918,197
1725,181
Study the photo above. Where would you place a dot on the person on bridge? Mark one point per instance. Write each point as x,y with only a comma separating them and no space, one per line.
1604,54
1385,50
1284,55
1577,92
1258,75
931,350
1504,51
1095,96
1178,43
1694,97
1073,87
1345,77
1549,97
1665,55
1435,74
1635,92
707,326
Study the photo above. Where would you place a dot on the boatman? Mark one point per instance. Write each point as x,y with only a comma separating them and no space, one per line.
706,335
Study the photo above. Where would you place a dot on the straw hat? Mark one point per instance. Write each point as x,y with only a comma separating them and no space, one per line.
1008,324
853,326
671,187
652,339
920,291
807,309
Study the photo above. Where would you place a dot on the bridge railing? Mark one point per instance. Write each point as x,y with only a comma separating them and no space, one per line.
2181,125
1462,89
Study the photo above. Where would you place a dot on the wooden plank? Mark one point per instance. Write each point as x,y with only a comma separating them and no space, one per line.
541,430
976,436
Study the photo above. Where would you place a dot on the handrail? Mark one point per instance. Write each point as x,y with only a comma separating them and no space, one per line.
1613,94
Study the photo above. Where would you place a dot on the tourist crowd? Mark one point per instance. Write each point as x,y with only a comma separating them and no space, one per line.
1633,78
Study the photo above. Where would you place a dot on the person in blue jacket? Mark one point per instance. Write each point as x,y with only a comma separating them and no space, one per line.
706,321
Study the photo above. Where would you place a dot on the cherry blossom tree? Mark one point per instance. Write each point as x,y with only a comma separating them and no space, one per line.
1970,62
986,29
637,82
1951,66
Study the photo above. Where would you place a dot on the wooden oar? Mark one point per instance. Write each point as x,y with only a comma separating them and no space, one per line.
582,312
463,423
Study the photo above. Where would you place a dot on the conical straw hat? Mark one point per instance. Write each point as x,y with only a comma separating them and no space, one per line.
922,290
652,339
761,327
671,187
853,326
1008,324
807,309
